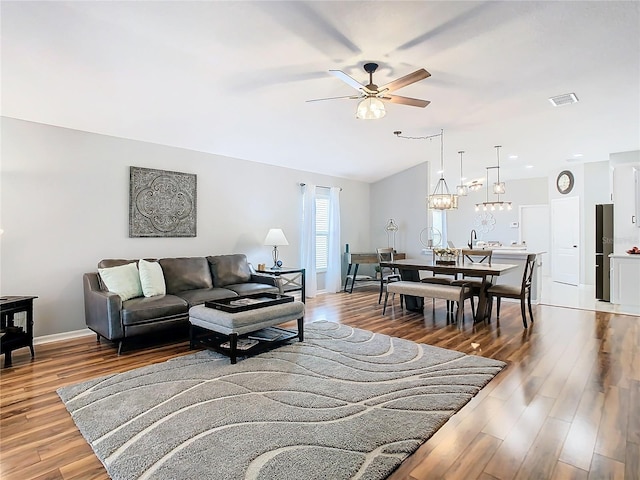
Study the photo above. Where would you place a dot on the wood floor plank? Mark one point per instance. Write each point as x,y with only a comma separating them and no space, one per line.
603,467
564,471
581,440
612,432
632,461
542,457
473,459
507,460
572,371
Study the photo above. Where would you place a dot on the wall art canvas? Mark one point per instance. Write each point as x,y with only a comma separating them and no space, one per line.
161,203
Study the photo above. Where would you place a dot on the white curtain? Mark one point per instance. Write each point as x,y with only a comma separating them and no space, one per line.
333,279
308,248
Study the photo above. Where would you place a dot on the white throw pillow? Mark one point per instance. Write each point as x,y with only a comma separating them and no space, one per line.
123,280
151,278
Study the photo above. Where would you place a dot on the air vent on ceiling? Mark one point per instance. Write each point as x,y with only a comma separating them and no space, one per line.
565,99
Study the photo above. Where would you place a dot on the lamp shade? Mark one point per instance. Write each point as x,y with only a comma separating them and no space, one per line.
275,237
370,108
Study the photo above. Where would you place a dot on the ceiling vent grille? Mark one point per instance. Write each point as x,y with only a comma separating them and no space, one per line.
565,99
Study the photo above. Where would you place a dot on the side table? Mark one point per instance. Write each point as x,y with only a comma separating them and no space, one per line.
15,335
290,279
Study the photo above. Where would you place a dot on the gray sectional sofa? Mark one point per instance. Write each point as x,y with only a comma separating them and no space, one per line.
189,281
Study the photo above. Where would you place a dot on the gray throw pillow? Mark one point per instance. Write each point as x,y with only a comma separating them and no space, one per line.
229,269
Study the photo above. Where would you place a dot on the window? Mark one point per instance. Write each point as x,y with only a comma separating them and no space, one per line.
439,225
322,232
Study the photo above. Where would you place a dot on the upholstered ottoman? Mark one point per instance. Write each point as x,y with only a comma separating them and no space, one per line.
232,325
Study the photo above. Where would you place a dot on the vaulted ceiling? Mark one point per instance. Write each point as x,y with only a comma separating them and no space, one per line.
232,78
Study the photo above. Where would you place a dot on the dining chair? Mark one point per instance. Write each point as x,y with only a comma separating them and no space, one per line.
522,292
474,281
387,274
441,279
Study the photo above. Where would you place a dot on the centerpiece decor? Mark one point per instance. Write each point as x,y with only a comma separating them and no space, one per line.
446,256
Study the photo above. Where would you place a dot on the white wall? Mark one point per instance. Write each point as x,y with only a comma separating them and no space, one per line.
64,207
596,190
402,197
460,222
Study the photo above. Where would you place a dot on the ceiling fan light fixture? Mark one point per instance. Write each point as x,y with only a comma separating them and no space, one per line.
371,108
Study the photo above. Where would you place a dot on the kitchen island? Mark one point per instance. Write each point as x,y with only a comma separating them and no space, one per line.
625,279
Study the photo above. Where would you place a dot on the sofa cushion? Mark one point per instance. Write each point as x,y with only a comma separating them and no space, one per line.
249,288
123,280
229,269
146,309
197,297
151,278
182,274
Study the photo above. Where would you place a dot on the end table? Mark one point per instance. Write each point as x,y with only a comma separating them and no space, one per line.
15,336
291,279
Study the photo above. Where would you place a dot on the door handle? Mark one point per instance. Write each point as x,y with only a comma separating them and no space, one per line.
575,246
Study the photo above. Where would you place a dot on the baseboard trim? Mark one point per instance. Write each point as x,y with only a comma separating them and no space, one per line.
56,337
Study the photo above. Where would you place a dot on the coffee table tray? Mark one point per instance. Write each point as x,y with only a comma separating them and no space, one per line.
248,302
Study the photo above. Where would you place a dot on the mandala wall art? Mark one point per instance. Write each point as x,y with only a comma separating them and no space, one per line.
161,203
484,222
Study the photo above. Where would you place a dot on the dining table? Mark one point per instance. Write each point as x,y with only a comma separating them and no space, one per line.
410,269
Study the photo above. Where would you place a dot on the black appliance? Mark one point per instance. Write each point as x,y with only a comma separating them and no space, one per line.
604,247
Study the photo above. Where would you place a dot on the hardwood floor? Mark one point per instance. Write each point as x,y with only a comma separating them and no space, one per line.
566,406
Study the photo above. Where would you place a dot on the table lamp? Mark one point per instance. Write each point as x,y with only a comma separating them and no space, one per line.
275,237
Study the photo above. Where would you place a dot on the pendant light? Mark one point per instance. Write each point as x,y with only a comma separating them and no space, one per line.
475,186
461,189
498,189
441,198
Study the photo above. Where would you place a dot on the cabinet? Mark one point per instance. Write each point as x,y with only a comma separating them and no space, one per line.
625,200
625,278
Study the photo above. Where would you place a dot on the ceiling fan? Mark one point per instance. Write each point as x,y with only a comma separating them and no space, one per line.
372,97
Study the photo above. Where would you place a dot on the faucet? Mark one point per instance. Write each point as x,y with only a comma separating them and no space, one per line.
474,236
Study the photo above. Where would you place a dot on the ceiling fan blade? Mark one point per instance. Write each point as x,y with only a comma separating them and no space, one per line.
347,79
406,80
354,97
414,102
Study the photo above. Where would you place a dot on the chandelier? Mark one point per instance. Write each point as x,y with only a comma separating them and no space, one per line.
498,189
475,186
441,198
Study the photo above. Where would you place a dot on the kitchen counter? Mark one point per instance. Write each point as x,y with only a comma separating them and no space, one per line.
625,255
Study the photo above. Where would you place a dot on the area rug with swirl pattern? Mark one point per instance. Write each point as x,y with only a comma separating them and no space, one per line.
344,404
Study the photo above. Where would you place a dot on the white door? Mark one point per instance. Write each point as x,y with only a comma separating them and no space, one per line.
535,231
565,237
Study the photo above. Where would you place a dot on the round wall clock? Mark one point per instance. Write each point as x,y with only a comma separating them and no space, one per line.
564,182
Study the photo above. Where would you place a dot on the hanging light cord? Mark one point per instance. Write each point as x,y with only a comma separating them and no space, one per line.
398,134
498,155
